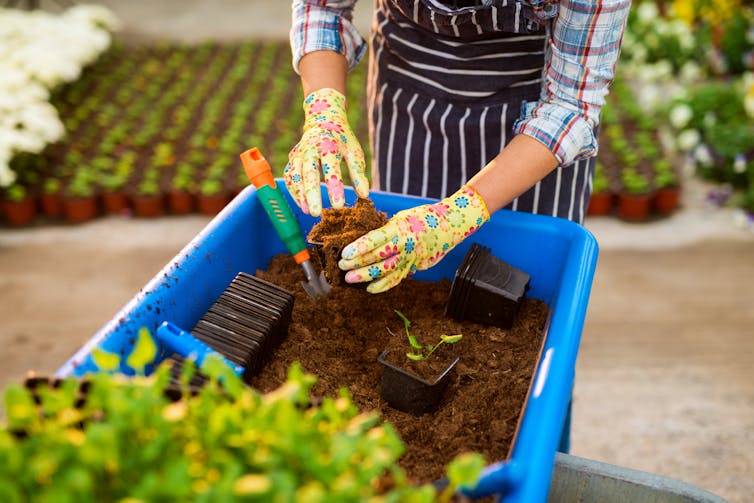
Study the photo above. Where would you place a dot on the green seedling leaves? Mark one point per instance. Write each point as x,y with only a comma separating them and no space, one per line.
421,351
414,342
451,339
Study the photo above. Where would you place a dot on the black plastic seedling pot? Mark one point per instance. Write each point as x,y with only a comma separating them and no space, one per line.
408,392
486,289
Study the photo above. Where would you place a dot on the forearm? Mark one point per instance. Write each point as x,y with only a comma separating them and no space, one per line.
323,69
520,165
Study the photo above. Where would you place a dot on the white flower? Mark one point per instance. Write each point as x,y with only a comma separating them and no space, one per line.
739,164
702,155
680,115
690,72
688,139
95,15
7,175
647,12
648,97
663,70
38,51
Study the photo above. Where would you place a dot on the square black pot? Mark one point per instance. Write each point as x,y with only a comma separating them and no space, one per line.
408,392
486,289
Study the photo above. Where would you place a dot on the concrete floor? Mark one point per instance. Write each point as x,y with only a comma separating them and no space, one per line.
664,380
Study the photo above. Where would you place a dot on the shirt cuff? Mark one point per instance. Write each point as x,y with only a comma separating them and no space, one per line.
566,133
317,29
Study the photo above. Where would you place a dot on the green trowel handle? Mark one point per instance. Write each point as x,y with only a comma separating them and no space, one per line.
286,226
282,219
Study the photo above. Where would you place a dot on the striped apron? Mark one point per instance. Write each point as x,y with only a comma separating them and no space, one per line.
445,86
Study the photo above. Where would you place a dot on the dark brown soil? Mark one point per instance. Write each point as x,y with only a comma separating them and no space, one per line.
339,337
338,228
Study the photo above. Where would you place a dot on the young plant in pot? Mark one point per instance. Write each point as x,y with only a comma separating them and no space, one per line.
18,205
634,201
668,188
414,382
601,199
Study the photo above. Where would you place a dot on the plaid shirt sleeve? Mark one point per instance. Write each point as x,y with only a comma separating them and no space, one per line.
584,45
325,25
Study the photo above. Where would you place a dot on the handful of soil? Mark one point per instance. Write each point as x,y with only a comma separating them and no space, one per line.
338,228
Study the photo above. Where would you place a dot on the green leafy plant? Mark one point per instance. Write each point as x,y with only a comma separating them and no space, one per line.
52,186
600,182
15,193
183,179
421,351
81,184
111,438
664,174
210,187
634,182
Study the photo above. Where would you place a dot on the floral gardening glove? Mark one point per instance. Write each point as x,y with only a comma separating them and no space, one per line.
327,141
413,239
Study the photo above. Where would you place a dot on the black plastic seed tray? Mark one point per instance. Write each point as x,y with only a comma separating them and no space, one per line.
247,321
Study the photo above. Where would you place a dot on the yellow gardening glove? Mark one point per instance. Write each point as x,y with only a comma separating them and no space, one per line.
412,240
327,141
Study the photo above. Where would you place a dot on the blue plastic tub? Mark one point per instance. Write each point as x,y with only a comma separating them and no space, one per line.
559,255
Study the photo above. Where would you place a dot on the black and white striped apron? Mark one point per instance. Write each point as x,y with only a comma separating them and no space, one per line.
446,86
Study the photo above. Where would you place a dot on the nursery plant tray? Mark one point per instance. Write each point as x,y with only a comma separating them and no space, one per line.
560,256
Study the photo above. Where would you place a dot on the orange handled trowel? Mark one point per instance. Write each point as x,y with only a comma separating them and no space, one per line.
286,226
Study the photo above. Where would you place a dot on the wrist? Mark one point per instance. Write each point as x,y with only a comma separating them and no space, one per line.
324,100
470,201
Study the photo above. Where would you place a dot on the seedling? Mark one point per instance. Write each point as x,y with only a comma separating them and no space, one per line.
421,351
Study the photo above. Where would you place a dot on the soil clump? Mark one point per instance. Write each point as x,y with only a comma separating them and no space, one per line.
338,228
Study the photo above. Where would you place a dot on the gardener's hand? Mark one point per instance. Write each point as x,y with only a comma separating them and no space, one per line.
326,142
413,239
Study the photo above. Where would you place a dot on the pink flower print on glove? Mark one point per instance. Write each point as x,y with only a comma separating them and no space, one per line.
413,239
326,142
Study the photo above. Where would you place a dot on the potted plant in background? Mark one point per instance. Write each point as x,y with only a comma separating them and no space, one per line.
634,199
601,199
113,184
181,196
667,188
212,196
148,199
80,200
19,206
51,199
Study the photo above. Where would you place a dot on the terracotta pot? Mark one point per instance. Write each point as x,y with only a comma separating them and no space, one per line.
148,206
20,213
180,202
600,203
52,205
212,205
633,207
80,209
114,202
666,200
